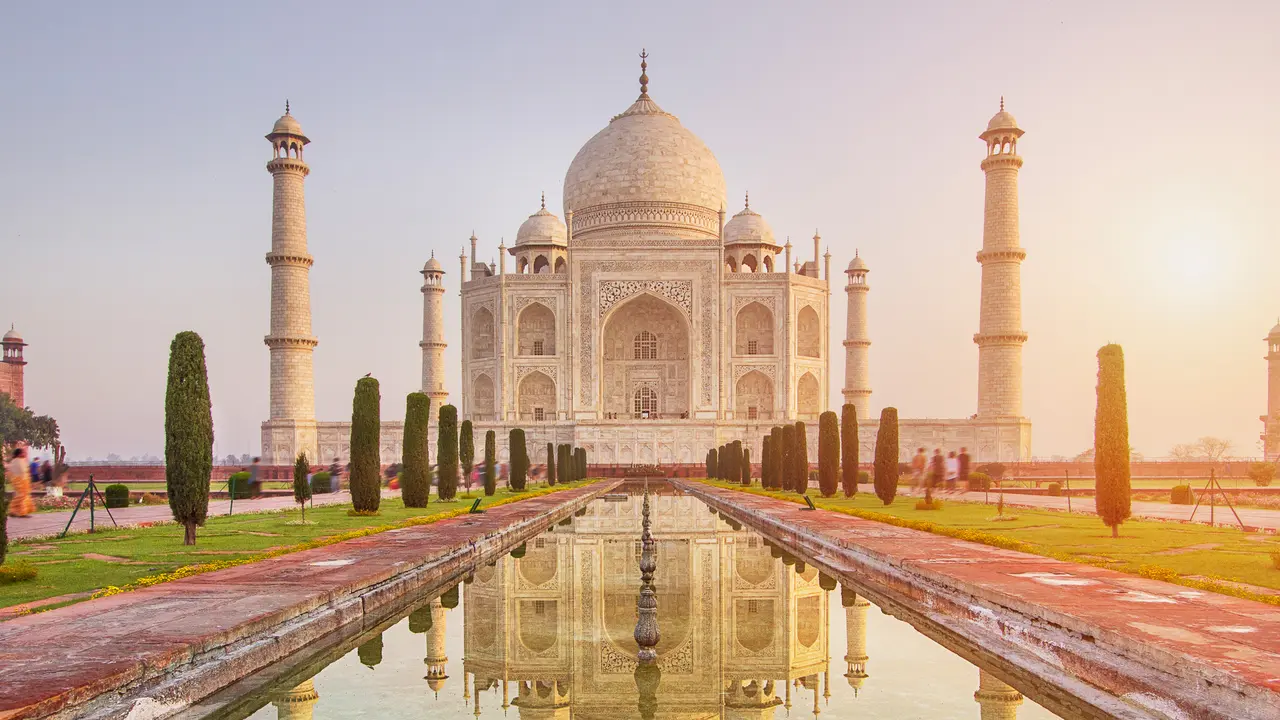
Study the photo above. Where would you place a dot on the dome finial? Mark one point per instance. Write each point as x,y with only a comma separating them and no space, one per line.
747,203
286,106
644,77
544,199
1001,103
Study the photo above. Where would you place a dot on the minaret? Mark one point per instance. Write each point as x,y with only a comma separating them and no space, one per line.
1000,335
997,700
1270,421
857,341
433,343
436,658
292,424
12,367
298,703
855,629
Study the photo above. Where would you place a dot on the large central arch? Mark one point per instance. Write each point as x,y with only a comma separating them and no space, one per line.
646,363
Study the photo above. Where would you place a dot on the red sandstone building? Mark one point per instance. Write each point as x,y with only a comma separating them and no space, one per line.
11,366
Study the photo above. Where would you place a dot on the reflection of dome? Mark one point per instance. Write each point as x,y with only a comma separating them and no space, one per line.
748,226
542,228
435,683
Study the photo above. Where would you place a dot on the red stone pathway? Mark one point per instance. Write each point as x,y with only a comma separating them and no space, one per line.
1212,641
59,659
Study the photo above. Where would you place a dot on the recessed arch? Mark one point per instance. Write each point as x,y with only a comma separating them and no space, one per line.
536,330
561,266
731,264
807,396
753,396
522,265
541,265
539,624
537,397
808,333
768,264
482,333
753,330
646,341
749,263
482,397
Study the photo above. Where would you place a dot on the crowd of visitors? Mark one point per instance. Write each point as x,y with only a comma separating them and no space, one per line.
949,473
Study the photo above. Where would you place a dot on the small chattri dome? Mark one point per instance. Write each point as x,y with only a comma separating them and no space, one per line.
433,265
748,226
12,335
1002,120
542,228
286,125
1274,331
857,263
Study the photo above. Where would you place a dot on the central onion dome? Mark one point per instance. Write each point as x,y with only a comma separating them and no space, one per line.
645,170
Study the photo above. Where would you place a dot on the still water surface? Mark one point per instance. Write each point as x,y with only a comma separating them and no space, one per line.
748,632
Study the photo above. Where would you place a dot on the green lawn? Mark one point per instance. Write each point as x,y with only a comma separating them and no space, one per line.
1143,545
1136,483
121,556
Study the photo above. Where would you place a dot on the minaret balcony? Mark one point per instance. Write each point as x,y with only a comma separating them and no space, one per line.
1006,338
290,341
287,164
284,258
1016,254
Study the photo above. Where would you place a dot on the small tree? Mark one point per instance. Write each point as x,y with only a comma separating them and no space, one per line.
447,453
366,427
4,515
711,463
562,462
467,452
415,472
746,466
828,453
886,464
849,449
787,463
551,464
777,476
733,469
1111,440
490,462
766,461
519,459
581,474
800,456
301,483
188,434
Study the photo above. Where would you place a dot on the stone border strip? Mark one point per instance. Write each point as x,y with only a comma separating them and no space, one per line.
152,652
1084,641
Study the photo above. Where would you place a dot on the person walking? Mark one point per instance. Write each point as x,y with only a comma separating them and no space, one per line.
335,475
19,473
962,469
255,482
953,471
918,464
937,469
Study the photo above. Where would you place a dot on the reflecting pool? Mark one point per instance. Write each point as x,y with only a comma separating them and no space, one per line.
747,631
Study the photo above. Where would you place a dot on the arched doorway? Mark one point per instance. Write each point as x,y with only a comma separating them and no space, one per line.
808,404
808,333
646,360
537,398
482,333
753,330
536,330
753,397
482,398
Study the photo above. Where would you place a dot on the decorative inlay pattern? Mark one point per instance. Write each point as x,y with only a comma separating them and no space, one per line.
550,371
524,302
741,301
613,292
740,370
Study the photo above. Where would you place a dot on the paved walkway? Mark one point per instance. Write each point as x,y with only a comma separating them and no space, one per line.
218,627
1211,655
51,523
1260,518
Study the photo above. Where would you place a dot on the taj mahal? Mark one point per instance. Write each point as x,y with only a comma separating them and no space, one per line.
649,323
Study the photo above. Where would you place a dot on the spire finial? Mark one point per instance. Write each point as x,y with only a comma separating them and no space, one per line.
644,77
544,199
286,106
747,202
433,253
1001,103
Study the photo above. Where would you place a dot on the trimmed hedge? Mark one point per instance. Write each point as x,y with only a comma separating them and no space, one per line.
849,476
1055,490
320,482
886,464
447,453
1111,441
415,473
711,463
828,454
1182,495
519,462
366,429
490,463
238,485
116,496
979,481
188,434
800,456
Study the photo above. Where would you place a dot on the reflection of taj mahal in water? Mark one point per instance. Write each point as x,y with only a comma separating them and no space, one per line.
744,626
648,325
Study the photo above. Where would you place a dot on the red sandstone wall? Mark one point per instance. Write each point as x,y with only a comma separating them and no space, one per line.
11,382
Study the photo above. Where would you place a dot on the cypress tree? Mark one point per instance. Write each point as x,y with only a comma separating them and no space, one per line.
415,472
447,453
711,463
551,464
766,459
370,653
519,459
366,427
188,434
746,466
581,474
733,472
800,456
4,515
467,452
1111,440
777,476
562,461
787,463
849,449
886,466
301,483
828,453
490,462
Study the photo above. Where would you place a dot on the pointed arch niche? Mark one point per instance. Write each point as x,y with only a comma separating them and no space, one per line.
645,354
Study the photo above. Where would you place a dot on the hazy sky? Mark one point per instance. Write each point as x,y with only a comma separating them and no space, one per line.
134,202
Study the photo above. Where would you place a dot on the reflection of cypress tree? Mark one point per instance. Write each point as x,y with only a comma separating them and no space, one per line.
800,567
788,559
518,552
420,620
826,582
370,653
775,551
449,598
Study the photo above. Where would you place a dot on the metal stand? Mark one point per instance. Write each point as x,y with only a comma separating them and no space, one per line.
91,491
1213,487
1067,481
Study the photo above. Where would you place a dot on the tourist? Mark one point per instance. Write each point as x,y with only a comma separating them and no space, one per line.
953,471
19,473
918,464
937,469
255,482
962,469
335,472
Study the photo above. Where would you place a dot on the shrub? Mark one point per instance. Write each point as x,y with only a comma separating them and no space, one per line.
188,434
116,496
1275,559
519,459
16,572
850,475
1181,495
562,460
551,464
320,482
1262,473
238,485
777,475
733,468
366,426
1055,490
786,463
467,452
746,466
979,481
490,462
995,470
711,463
447,453
766,462
301,488
864,477
828,453
1111,440
581,474
800,456
928,504
886,464
415,475
518,552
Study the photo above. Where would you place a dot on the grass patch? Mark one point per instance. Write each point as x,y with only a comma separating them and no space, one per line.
1235,556
16,572
152,555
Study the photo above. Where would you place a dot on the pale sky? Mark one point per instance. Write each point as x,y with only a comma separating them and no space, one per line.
134,202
